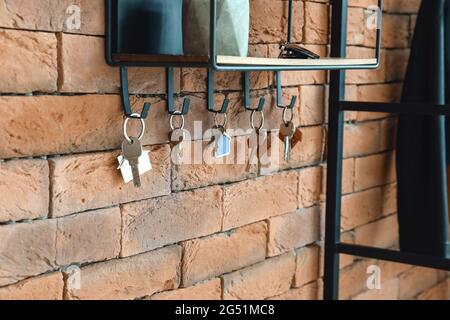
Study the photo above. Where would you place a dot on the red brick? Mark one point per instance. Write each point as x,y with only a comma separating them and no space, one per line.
374,171
312,105
266,279
308,265
316,23
88,237
354,278
396,64
382,233
24,188
229,169
402,6
135,277
268,21
348,172
63,124
362,138
364,3
438,292
395,31
219,254
210,290
307,292
254,200
91,181
24,243
389,199
380,92
361,208
293,230
310,181
46,287
415,281
154,223
358,33
388,291
52,15
95,75
28,62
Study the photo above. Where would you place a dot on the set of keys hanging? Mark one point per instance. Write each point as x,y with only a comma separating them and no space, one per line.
290,135
135,161
220,139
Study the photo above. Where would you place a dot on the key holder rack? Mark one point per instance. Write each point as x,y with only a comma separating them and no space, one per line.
337,106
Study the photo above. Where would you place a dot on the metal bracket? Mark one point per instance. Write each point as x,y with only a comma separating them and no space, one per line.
247,103
280,95
170,94
278,73
225,103
124,93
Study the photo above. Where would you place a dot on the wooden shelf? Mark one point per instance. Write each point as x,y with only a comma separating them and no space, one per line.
251,61
243,62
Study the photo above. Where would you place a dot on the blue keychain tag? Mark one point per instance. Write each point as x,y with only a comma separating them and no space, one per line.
223,145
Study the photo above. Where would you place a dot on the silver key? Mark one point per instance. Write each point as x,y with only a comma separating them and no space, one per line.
177,137
131,152
287,131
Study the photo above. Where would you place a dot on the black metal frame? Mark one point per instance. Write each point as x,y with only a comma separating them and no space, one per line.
337,108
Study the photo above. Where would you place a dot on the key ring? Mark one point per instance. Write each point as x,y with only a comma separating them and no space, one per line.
134,116
262,121
172,118
216,120
285,112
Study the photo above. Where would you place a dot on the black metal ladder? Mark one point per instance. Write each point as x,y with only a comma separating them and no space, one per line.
337,107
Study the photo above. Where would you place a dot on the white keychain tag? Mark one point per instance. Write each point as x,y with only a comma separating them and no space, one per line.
223,146
144,165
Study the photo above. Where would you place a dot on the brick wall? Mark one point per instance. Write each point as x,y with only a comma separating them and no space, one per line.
70,229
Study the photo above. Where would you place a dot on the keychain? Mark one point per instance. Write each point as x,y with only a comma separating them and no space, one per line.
134,161
221,139
177,136
258,138
290,135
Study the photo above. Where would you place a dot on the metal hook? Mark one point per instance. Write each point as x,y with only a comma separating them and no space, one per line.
280,95
170,94
124,93
247,103
225,103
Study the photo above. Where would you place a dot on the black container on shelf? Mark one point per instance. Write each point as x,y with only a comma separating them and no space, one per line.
148,26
